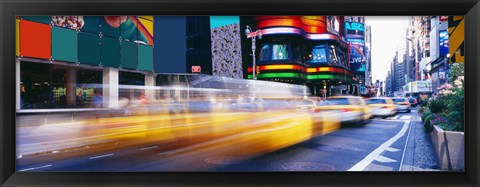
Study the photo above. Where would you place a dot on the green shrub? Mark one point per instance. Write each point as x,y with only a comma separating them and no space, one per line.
421,110
426,113
437,105
427,124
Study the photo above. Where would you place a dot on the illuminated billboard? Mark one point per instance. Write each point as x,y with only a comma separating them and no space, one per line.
334,25
357,54
443,37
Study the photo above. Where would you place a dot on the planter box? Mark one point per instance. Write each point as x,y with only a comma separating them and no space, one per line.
449,147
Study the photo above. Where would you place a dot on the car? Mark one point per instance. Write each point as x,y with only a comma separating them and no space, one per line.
307,105
382,106
402,104
413,101
351,109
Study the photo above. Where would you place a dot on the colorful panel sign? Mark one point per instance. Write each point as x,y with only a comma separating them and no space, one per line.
145,58
110,50
129,55
88,48
357,55
71,22
132,28
38,19
456,32
443,37
17,37
64,44
35,39
334,25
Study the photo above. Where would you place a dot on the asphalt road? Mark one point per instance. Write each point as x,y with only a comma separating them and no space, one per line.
376,146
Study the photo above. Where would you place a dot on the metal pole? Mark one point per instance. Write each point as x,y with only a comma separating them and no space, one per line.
253,56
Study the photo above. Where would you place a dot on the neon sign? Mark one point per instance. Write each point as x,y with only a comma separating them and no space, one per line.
354,26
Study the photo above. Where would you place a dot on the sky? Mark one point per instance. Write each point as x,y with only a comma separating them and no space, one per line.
387,34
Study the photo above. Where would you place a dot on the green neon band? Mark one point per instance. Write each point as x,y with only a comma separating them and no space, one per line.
276,75
320,76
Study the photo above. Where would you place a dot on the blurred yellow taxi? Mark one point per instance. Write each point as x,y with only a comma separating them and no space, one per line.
402,104
382,106
350,109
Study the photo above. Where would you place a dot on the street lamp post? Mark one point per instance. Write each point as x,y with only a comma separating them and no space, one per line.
258,33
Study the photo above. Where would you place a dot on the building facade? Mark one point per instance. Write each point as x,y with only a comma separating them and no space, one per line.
305,50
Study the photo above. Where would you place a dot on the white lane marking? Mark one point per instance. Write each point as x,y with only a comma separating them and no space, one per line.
146,148
370,157
387,120
405,148
101,156
28,169
396,117
405,117
391,149
383,159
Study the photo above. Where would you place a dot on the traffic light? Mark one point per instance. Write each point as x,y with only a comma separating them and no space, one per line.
257,70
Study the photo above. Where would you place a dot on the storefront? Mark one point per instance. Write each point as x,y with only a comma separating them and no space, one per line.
304,50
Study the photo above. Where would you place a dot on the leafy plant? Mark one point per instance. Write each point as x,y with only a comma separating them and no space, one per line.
456,71
427,124
437,105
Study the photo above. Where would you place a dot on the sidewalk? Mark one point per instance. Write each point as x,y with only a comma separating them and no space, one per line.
419,155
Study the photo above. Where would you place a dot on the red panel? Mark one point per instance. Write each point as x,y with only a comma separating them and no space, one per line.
35,40
309,24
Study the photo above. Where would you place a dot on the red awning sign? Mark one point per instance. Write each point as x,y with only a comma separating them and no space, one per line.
196,69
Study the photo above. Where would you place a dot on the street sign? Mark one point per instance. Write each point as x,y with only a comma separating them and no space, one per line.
196,69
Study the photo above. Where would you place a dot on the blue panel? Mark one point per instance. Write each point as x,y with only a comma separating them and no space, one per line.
170,44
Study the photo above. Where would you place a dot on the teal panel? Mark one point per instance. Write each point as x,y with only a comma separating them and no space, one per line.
109,30
88,48
64,44
91,24
145,58
40,19
129,55
110,52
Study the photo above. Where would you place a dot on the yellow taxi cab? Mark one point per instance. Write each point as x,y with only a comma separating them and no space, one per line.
350,109
402,104
382,106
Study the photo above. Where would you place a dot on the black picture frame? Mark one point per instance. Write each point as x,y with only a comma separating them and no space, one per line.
9,9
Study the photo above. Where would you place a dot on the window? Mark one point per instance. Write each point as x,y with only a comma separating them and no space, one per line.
376,101
318,55
280,52
338,101
265,52
333,56
276,51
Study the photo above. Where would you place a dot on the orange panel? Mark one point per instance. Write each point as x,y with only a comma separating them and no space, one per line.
35,39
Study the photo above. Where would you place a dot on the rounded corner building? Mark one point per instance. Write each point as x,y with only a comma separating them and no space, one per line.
309,50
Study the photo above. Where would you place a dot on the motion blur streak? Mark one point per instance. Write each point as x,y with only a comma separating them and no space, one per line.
231,123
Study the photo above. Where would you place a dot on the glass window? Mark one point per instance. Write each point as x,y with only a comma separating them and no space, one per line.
280,52
338,101
333,56
318,55
265,52
376,101
396,100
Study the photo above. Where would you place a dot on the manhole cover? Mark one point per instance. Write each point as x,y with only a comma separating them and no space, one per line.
307,166
224,160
